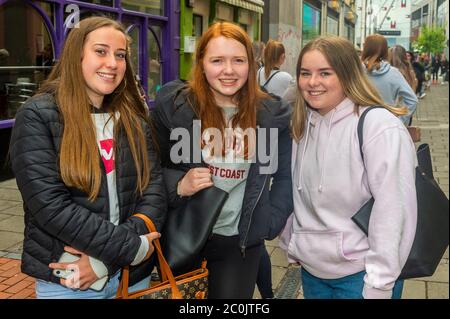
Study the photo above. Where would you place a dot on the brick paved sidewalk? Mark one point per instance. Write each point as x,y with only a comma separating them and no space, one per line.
14,284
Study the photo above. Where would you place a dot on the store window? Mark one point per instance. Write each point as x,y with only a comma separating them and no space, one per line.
154,62
349,31
133,32
197,29
224,12
108,3
310,24
332,25
155,7
26,54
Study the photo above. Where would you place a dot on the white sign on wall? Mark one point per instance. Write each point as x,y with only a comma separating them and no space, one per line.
189,44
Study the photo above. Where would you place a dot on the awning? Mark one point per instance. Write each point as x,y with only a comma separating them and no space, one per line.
252,5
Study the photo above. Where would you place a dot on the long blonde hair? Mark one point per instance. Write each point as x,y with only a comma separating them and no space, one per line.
343,58
397,58
79,159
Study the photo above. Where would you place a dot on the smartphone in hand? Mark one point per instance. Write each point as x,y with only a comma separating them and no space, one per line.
66,273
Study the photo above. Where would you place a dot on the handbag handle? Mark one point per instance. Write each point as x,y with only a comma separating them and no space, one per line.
166,273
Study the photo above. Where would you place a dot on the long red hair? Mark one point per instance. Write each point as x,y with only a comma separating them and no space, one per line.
248,96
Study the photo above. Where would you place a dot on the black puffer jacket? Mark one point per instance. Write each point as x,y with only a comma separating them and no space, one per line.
56,215
266,205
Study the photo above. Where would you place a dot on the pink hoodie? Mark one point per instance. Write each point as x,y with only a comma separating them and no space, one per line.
330,184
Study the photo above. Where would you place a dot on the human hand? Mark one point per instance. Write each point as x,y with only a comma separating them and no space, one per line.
195,180
83,275
151,248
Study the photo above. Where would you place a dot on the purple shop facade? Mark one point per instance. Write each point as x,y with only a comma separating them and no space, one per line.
166,36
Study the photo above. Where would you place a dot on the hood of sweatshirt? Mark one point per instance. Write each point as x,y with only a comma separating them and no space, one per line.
384,68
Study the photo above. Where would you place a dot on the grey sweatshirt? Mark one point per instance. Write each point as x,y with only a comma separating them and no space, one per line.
394,89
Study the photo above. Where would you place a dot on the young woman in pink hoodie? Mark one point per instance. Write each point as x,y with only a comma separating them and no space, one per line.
331,182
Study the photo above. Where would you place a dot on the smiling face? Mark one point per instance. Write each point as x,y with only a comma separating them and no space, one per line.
103,62
226,68
319,83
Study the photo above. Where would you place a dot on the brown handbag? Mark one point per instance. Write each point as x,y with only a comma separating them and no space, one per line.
191,285
414,131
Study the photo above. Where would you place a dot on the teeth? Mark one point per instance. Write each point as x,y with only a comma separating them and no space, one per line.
316,93
105,75
228,81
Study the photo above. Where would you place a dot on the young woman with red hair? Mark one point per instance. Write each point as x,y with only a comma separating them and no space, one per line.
224,96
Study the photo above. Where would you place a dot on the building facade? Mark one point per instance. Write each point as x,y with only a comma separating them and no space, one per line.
390,18
296,22
430,13
197,15
32,34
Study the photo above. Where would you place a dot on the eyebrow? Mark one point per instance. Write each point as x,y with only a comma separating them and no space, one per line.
222,56
107,46
322,69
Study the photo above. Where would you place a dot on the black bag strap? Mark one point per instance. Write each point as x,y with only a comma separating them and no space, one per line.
361,126
268,80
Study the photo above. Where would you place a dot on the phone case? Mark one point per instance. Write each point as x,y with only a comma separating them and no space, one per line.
62,273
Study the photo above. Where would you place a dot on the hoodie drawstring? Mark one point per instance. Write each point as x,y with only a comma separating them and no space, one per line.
299,186
325,153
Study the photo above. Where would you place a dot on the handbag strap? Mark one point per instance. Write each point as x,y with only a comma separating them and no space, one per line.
361,126
122,291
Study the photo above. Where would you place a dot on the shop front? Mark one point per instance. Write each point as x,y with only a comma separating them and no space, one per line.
32,35
311,22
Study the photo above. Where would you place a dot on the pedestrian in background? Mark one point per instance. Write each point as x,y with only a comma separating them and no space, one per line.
419,70
223,94
275,82
444,69
84,161
397,58
331,182
435,66
391,85
270,77
258,52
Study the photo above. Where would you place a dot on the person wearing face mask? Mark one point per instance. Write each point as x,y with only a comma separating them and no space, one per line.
224,96
84,159
331,181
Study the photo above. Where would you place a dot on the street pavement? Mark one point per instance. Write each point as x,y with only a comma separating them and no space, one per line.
433,118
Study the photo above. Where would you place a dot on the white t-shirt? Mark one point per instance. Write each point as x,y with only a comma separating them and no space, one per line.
104,127
278,84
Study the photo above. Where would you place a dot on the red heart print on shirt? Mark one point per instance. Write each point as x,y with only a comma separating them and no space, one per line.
107,153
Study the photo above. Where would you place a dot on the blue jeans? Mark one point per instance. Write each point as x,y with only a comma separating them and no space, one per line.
50,290
349,287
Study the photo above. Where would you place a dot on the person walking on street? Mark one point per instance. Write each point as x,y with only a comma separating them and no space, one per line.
338,261
419,70
224,96
435,66
391,85
444,69
84,160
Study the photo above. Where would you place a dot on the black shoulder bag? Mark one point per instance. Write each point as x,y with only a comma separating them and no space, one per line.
431,239
187,228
